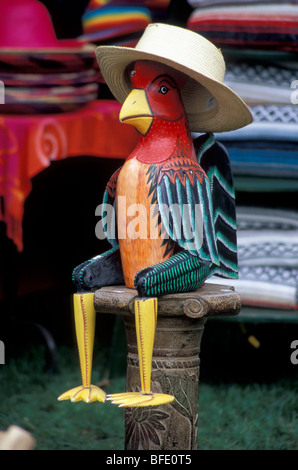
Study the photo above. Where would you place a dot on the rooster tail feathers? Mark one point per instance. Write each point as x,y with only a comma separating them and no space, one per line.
214,159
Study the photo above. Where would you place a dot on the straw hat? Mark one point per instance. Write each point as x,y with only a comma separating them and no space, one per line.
210,105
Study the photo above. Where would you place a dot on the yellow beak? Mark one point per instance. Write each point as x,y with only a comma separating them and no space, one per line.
136,111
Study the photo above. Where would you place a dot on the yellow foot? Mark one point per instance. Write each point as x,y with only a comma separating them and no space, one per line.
86,394
132,399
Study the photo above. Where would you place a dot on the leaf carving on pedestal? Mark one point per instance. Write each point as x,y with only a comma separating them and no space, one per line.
143,425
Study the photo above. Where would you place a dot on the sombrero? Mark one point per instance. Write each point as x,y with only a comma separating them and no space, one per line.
26,25
103,21
211,106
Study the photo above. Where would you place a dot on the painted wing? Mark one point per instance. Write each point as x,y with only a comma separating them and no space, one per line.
214,159
108,210
185,205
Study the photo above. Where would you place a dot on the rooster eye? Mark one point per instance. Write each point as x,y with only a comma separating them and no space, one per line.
163,90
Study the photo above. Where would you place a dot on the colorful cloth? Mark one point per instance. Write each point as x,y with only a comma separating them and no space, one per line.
267,258
44,100
268,84
38,62
266,26
30,143
269,146
262,82
259,158
39,82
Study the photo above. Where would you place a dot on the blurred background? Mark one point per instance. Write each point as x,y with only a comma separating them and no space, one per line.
48,199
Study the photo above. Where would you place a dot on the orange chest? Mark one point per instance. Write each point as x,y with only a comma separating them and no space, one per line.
138,232
132,190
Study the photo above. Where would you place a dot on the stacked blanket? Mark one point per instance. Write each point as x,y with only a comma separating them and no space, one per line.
266,25
267,257
259,41
265,74
268,84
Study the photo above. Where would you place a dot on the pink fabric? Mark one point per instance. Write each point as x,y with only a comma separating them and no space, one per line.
28,144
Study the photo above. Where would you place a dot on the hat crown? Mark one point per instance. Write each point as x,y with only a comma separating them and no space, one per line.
25,23
188,48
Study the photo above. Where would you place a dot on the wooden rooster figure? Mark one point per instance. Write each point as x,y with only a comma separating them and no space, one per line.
182,191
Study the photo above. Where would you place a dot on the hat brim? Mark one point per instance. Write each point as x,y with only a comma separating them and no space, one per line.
211,106
62,46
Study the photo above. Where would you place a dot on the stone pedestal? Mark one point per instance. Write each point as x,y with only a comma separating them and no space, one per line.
175,364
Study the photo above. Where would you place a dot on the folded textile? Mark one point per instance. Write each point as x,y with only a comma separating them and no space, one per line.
267,290
262,83
39,82
262,219
23,79
38,62
267,258
268,248
271,123
268,146
45,100
263,158
267,26
272,131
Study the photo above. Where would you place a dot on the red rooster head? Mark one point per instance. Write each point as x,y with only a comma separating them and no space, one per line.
155,108
155,96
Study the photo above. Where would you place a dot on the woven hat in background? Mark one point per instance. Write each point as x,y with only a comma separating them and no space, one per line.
210,105
112,20
26,25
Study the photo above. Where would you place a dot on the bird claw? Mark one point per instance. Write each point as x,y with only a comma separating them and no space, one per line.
86,394
138,399
141,282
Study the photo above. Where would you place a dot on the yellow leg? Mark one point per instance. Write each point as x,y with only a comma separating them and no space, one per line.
145,319
84,314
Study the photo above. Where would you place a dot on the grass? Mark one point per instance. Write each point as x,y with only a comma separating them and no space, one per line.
232,416
251,417
28,397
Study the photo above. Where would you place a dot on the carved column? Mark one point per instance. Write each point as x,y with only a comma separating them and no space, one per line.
175,364
175,370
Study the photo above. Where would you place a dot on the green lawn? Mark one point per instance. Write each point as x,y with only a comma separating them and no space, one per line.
234,416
